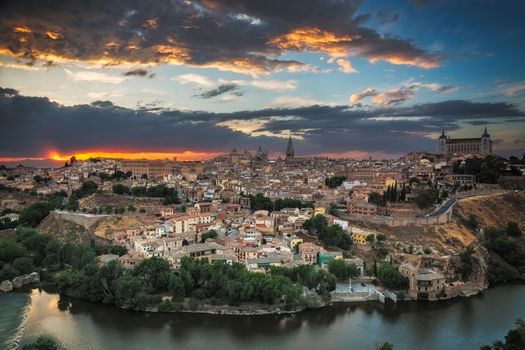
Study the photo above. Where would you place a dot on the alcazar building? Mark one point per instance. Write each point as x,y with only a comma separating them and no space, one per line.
465,146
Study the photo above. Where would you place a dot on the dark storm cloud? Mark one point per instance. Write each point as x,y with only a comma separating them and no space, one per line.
221,89
231,35
138,72
32,125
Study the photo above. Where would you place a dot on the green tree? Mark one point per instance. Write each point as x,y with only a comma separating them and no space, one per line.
390,277
426,198
376,198
34,213
208,234
513,229
155,273
386,346
177,287
24,265
120,189
43,342
342,270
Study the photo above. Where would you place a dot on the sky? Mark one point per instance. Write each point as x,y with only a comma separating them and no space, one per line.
194,79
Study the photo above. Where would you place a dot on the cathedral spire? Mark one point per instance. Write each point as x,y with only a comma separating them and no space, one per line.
289,149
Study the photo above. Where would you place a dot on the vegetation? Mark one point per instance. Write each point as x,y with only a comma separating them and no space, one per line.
426,198
117,175
514,340
342,270
390,277
377,199
467,263
27,251
386,346
144,285
33,214
208,234
486,170
334,181
260,202
509,264
88,188
513,229
169,194
332,235
121,189
43,342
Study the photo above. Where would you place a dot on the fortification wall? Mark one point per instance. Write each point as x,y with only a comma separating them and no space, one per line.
84,220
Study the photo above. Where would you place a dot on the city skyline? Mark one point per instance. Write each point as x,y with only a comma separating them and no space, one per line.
196,79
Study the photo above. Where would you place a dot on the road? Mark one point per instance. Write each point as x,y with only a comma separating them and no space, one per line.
446,206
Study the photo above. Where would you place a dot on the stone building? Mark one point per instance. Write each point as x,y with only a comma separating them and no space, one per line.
465,146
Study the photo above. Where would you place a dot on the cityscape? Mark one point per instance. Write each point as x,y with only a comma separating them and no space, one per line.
262,175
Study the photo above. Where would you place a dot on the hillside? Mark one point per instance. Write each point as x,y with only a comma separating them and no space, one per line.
101,200
452,238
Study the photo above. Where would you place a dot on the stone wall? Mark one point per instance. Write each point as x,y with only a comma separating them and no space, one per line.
396,222
82,219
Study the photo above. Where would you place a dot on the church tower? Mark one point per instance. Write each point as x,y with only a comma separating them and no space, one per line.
443,143
486,143
289,149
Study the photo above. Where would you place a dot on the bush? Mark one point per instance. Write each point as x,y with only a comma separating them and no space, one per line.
24,265
513,229
390,277
342,270
43,342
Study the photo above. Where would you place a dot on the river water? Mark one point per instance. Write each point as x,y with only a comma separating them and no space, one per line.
456,324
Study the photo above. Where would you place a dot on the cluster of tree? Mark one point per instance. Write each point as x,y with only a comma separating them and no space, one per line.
88,188
41,180
426,198
33,214
486,170
26,251
467,264
343,270
332,235
117,175
169,194
334,181
509,265
390,277
310,276
43,342
144,285
260,202
514,340
29,250
208,234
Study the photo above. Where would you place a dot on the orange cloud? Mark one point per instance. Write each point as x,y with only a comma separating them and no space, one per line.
422,62
314,39
21,29
53,35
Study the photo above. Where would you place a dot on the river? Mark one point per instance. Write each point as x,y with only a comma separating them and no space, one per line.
456,324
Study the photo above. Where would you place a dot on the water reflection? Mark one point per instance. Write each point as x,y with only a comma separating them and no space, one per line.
409,325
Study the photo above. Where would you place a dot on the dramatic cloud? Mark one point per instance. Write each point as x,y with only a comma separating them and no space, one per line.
399,95
234,35
365,93
31,126
221,89
138,72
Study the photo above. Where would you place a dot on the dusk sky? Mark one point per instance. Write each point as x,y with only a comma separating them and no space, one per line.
197,78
